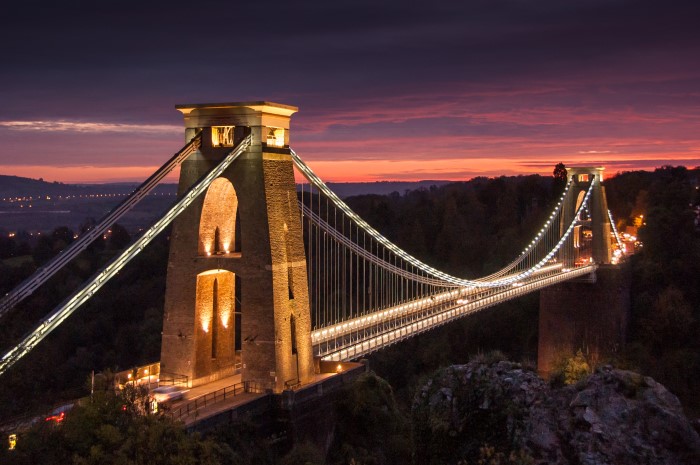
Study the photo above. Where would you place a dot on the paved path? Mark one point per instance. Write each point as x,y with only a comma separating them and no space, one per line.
218,404
221,406
206,402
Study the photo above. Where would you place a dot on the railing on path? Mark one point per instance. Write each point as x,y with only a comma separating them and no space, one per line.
191,407
173,379
292,383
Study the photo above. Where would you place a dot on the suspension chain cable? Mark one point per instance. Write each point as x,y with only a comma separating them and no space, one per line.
380,239
69,305
43,274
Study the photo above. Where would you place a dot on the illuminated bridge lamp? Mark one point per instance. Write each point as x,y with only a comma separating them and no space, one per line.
275,137
222,136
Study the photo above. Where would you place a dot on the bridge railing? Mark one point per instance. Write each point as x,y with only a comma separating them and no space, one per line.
292,383
194,405
173,379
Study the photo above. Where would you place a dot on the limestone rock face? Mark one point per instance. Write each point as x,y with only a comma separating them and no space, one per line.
613,417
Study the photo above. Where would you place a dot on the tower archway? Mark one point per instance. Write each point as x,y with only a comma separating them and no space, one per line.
217,223
214,336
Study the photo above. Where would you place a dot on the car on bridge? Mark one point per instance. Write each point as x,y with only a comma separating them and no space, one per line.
163,394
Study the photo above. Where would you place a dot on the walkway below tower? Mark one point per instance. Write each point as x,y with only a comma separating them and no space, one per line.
228,398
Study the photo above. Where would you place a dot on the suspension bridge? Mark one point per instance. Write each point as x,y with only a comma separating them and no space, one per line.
268,275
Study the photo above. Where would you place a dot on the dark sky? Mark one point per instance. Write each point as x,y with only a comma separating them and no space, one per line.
386,89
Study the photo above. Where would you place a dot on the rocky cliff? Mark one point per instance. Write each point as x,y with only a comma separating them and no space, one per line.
612,417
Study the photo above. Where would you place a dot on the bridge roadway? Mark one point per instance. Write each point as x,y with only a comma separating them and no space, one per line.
360,336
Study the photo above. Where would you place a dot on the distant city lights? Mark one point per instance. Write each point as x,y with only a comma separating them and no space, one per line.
32,198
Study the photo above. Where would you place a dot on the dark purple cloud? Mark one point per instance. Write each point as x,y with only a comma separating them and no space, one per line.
499,79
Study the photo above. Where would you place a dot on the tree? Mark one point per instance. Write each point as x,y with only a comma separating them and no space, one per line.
670,323
369,426
61,236
118,237
303,454
43,250
114,428
576,369
8,247
559,182
670,216
452,245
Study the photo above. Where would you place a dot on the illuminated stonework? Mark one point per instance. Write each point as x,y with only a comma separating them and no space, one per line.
222,136
217,226
275,137
215,329
600,230
214,293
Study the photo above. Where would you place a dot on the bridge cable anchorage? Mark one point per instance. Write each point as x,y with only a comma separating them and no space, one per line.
69,305
533,263
45,272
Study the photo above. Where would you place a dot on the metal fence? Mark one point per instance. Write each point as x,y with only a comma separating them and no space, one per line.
191,407
173,379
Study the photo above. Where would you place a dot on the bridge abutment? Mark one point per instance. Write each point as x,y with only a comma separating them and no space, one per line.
588,316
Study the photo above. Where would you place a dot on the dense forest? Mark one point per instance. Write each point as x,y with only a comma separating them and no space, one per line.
666,273
468,229
119,328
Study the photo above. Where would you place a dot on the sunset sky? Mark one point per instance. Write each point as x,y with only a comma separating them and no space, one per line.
387,90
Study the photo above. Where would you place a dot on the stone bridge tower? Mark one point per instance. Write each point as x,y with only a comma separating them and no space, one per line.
590,315
596,221
237,290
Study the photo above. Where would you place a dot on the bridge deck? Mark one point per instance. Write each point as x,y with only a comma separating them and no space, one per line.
373,332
